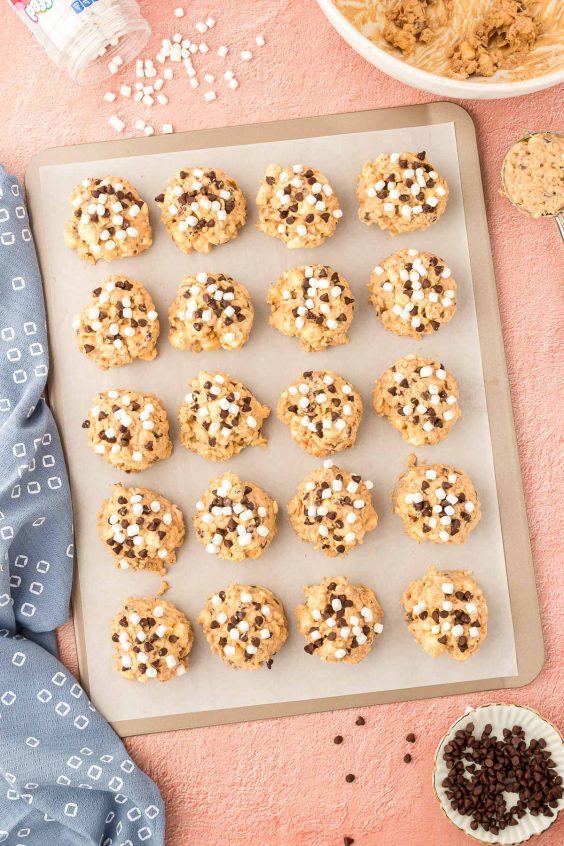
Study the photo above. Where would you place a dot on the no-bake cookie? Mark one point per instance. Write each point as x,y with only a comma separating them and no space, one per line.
297,205
436,502
202,208
129,429
220,417
210,311
533,174
339,620
235,520
413,293
447,612
245,625
110,220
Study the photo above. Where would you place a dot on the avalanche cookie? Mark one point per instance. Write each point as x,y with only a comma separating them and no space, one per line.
245,625
141,529
436,502
129,429
152,640
420,399
313,303
333,510
401,192
339,620
412,293
119,325
210,311
110,220
235,520
322,411
447,612
202,208
220,417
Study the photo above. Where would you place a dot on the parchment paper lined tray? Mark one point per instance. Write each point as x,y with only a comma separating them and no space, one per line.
470,346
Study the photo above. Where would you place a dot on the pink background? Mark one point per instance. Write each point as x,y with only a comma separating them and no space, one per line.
281,782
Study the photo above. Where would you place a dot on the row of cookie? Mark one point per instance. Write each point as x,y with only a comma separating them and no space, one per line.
204,207
246,625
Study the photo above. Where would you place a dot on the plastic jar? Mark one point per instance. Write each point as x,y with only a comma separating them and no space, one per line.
90,39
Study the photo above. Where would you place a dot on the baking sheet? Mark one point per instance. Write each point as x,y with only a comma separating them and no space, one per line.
388,560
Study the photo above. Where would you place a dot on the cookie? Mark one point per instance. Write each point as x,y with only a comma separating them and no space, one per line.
332,510
447,612
245,625
152,640
129,429
202,208
436,502
210,311
119,324
313,303
220,417
141,529
420,399
110,220
322,411
235,520
297,205
401,192
339,620
413,293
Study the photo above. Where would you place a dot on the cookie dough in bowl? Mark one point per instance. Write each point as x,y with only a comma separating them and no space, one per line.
339,620
234,519
297,205
245,625
401,192
533,174
446,612
436,502
333,510
119,325
220,417
152,640
322,412
202,208
141,529
129,429
413,293
210,311
110,220
420,399
313,303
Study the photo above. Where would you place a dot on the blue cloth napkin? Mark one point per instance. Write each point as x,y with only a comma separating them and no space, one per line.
68,780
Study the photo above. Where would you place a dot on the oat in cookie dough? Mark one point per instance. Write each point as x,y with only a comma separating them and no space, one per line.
220,417
333,510
152,640
447,612
436,502
110,220
420,399
245,625
129,429
119,325
412,293
401,192
235,520
339,620
297,205
210,311
313,303
322,411
533,174
141,529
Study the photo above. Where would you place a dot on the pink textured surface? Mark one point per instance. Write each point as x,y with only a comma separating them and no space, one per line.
281,782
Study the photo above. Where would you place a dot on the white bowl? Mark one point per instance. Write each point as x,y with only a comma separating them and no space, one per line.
425,81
